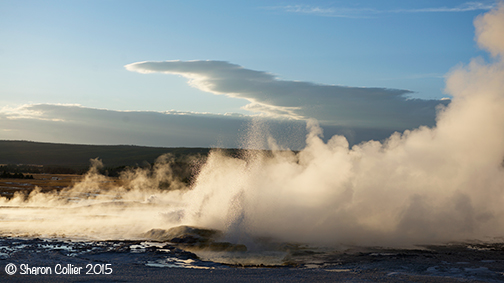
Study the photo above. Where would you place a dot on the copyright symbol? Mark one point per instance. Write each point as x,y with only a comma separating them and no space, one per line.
10,268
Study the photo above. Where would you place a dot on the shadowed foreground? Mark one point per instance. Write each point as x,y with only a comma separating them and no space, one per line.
144,261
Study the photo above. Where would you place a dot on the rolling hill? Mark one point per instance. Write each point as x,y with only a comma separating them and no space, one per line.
73,155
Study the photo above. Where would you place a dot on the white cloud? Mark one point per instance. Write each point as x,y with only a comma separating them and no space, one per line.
345,12
26,112
326,11
361,107
468,6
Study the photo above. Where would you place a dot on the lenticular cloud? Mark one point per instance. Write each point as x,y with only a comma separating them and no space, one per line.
332,105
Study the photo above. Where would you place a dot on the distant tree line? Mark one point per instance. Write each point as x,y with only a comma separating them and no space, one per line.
8,175
39,169
21,168
183,168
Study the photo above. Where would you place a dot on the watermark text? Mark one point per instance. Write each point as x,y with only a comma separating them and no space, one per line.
59,269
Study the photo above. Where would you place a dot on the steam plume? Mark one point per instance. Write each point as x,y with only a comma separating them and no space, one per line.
427,185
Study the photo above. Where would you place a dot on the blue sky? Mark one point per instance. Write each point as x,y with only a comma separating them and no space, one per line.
63,55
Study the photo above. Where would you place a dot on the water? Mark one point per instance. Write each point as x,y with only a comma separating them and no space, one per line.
473,261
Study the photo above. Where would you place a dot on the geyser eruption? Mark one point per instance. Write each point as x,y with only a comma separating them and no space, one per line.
428,185
422,186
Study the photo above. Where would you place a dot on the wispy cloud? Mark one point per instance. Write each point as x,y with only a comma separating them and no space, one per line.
468,6
345,12
340,12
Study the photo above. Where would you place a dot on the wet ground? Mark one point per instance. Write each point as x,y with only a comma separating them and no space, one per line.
63,260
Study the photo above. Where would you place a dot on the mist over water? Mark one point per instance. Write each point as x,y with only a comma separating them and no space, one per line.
428,185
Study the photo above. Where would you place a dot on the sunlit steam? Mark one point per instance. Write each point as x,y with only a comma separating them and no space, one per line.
428,185
97,207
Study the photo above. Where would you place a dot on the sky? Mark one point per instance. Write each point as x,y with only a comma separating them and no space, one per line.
207,73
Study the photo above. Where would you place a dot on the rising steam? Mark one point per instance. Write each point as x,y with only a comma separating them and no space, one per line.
428,185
